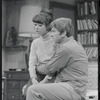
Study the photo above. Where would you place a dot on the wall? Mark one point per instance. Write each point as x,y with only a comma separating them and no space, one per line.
11,17
3,34
11,10
72,2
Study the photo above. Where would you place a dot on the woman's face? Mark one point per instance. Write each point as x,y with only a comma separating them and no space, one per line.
40,29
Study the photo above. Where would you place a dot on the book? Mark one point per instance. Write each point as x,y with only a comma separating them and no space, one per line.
86,34
89,24
96,21
78,25
95,25
82,9
94,38
85,8
78,9
89,7
81,25
91,53
85,24
94,53
78,38
93,8
92,24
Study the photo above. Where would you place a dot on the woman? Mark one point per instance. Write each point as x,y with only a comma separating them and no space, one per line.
41,48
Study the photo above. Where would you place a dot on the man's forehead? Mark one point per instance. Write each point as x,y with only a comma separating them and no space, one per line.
53,28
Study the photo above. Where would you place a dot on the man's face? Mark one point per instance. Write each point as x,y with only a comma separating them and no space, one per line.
55,34
40,28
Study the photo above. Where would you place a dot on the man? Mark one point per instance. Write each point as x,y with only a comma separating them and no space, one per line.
71,64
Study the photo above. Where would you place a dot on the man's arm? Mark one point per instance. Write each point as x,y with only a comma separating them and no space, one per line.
46,79
58,61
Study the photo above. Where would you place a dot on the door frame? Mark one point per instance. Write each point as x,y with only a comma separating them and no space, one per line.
53,4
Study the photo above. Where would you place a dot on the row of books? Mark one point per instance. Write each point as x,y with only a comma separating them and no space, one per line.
91,52
85,8
85,24
85,0
87,37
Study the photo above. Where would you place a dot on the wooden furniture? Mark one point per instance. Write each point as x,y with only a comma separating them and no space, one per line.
3,81
15,48
87,27
15,80
87,35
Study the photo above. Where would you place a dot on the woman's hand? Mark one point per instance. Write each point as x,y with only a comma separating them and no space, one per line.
34,81
23,89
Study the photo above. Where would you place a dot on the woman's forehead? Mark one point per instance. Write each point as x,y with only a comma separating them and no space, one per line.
38,23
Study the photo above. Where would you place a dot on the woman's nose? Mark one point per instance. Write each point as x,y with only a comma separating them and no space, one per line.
36,27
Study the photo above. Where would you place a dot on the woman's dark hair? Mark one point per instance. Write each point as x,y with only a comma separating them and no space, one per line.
47,11
44,17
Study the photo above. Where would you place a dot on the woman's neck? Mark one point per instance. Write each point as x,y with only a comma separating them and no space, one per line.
46,36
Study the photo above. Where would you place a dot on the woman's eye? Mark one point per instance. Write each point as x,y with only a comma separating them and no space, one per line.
35,24
40,25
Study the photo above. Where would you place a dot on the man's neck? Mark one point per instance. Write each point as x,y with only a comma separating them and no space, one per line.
63,40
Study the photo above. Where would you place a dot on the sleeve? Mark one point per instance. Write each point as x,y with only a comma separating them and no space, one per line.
32,60
58,61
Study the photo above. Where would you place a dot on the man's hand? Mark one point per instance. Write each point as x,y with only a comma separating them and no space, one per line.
46,79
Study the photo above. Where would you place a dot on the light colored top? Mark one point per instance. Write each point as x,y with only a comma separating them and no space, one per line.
40,53
72,60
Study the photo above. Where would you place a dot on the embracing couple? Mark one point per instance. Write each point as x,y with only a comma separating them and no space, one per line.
58,65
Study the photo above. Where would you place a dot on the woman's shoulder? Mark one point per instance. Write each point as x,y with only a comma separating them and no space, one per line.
36,41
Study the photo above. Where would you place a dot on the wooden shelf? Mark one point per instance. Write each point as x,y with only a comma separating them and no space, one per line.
93,16
93,59
15,47
81,1
88,16
89,30
90,45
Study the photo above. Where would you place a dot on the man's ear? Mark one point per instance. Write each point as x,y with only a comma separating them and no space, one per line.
64,34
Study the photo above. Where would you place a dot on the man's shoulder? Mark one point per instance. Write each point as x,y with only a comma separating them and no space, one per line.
64,49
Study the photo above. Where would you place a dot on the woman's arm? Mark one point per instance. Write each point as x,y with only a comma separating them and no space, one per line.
32,63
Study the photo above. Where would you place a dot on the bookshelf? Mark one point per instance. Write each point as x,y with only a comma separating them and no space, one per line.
87,27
